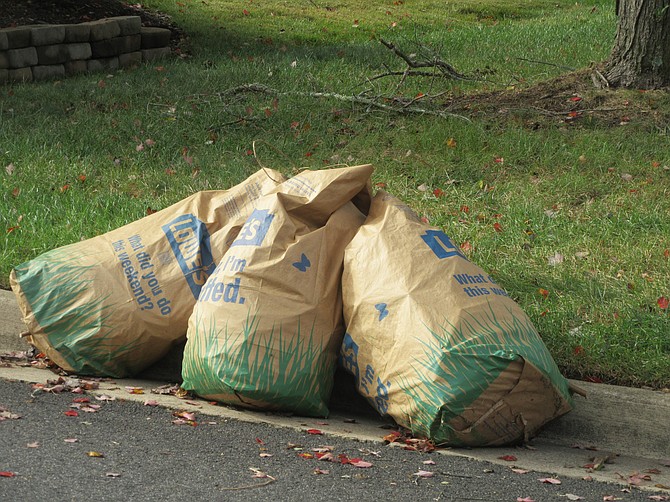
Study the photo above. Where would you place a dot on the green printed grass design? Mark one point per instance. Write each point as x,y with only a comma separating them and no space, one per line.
452,375
53,284
298,376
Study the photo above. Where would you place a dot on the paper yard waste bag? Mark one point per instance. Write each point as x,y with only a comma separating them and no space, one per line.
114,304
267,326
435,343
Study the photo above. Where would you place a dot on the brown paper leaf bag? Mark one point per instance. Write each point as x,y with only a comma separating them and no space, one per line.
114,304
435,343
267,326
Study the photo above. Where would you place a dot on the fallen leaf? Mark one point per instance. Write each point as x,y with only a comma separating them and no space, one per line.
357,462
555,259
498,160
266,455
525,499
627,177
451,143
314,432
8,415
16,191
422,188
7,474
466,246
653,471
428,462
150,402
508,458
320,471
245,12
659,497
498,227
95,454
571,496
543,292
105,397
9,168
581,255
551,481
307,456
520,471
134,390
423,474
71,440
34,444
438,192
64,188
71,413
663,302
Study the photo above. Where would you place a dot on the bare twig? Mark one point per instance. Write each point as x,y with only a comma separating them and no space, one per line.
360,100
569,68
445,68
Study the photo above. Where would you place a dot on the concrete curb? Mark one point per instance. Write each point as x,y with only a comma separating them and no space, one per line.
632,423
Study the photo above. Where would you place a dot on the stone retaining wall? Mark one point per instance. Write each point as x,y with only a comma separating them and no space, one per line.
46,51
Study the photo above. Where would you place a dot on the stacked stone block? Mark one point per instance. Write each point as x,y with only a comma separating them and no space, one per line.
41,52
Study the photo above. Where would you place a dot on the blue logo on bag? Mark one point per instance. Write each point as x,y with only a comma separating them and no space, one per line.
254,229
383,311
349,355
303,264
189,239
440,244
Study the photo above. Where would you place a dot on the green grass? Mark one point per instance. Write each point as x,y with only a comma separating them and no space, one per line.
600,318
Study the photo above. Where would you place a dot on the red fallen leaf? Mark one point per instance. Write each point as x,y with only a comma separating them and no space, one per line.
359,462
498,227
438,192
325,457
498,160
7,474
315,432
381,184
465,209
64,188
245,12
543,292
267,112
551,481
81,177
663,302
308,456
308,154
295,125
466,246
573,114
575,98
11,229
81,400
71,413
425,220
260,441
578,350
15,192
508,458
149,211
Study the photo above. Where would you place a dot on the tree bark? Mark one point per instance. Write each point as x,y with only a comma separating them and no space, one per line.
641,54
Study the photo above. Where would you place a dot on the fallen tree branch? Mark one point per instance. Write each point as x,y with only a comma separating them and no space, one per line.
445,68
359,100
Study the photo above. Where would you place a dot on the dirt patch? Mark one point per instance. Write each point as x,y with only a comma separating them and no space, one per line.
571,99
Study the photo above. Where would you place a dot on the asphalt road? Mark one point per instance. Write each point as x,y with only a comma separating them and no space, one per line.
146,456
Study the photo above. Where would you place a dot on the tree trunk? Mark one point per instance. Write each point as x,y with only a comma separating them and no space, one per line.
641,54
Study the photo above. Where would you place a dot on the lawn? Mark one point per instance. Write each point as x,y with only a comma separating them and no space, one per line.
558,189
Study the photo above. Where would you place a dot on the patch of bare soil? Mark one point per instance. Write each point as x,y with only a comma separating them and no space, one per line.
571,99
